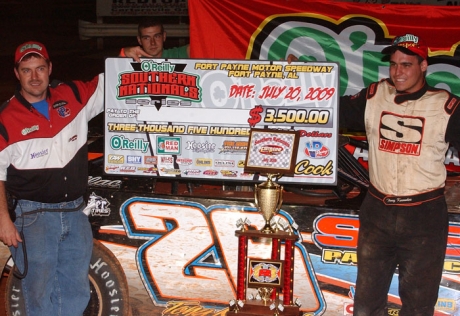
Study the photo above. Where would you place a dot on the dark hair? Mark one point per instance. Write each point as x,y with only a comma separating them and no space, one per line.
386,57
149,22
29,56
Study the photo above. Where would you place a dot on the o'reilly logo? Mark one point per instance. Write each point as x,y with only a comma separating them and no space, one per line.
118,142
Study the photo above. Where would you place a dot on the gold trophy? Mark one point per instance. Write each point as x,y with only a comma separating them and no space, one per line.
265,293
268,197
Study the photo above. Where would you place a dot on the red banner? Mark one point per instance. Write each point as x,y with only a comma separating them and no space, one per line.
227,28
352,34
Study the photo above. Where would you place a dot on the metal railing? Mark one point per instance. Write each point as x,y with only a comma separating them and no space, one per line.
88,30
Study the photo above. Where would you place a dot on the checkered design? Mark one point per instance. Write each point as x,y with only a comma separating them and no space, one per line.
282,159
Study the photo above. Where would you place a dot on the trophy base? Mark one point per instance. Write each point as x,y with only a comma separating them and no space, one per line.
267,229
258,308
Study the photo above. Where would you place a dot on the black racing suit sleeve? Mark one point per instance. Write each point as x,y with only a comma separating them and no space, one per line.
453,128
351,111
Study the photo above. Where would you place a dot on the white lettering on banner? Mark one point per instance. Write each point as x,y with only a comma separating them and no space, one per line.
192,251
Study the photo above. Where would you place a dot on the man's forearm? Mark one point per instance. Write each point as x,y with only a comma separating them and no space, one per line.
3,201
9,235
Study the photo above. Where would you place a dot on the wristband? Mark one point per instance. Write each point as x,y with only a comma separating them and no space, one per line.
122,53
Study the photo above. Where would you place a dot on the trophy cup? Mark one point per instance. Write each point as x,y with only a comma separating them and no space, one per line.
268,198
273,276
268,195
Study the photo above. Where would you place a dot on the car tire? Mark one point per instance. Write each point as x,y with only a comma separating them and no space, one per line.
109,287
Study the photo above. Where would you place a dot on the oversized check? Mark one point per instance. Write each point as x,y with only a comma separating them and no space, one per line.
190,118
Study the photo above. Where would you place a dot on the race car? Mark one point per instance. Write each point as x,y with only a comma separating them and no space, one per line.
168,246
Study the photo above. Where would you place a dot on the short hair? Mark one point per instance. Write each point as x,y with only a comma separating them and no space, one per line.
403,50
29,56
149,22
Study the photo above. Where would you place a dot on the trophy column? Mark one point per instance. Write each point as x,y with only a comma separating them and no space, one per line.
272,277
288,287
241,276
